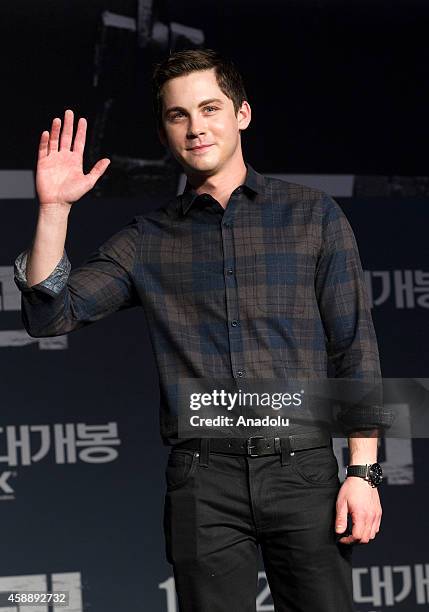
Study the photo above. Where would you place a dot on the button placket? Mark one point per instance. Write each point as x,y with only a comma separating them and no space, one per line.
231,289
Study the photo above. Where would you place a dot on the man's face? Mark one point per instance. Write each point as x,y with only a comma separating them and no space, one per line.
200,125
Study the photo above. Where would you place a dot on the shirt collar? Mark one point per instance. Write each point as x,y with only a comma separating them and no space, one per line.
253,182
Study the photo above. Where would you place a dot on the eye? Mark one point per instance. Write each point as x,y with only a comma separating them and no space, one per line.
175,115
210,108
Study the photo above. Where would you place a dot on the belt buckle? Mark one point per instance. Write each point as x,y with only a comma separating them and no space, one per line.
250,445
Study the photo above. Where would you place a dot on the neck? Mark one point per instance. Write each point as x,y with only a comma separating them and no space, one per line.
221,184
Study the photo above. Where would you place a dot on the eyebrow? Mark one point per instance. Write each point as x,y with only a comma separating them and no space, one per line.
203,103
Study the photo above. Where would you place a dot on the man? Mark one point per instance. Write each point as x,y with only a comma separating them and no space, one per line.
240,277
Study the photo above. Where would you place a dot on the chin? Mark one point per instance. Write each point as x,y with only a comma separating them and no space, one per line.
202,165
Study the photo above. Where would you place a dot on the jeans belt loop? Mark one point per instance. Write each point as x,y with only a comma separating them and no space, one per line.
286,449
204,452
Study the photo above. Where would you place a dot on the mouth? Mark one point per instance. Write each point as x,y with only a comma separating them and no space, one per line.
200,148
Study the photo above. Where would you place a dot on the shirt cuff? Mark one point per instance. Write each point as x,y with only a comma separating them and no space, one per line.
53,284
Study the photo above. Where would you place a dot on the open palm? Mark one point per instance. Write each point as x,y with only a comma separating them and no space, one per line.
59,175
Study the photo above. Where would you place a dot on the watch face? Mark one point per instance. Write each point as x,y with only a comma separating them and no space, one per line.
375,473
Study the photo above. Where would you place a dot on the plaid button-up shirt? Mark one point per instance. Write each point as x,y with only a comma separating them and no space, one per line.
270,287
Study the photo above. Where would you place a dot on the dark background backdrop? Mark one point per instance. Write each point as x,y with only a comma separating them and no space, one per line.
335,86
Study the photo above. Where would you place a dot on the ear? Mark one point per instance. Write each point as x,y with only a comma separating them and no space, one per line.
162,136
244,115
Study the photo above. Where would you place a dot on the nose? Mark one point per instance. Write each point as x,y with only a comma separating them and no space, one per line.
196,127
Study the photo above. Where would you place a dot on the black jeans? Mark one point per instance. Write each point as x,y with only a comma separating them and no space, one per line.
216,516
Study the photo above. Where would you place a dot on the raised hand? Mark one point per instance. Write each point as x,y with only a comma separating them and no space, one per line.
59,176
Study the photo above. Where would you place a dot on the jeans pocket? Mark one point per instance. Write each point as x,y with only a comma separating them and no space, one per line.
317,466
180,467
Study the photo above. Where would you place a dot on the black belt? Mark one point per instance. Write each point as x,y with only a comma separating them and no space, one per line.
257,446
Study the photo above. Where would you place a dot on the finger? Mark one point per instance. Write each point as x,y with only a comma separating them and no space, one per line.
341,517
43,145
347,540
67,133
366,535
373,530
358,527
54,135
98,169
376,525
348,537
79,139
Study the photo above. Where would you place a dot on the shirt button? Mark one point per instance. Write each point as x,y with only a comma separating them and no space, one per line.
230,271
241,373
235,323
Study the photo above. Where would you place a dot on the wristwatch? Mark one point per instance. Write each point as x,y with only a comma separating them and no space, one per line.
370,472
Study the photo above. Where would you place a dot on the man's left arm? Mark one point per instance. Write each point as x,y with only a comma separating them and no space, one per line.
353,353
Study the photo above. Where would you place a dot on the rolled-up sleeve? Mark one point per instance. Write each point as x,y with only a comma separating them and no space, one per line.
52,285
69,299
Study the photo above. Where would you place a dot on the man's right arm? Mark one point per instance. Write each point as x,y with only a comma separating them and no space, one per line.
68,299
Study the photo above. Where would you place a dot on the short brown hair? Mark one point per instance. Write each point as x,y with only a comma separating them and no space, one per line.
183,62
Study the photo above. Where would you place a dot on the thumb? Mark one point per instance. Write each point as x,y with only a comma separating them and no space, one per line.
98,169
341,518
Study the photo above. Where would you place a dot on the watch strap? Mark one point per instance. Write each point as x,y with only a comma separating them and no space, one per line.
358,470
